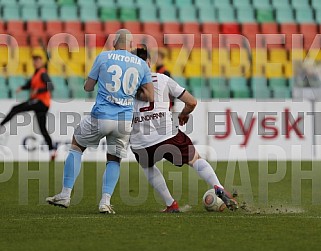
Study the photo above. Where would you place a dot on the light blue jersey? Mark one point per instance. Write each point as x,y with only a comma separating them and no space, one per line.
119,74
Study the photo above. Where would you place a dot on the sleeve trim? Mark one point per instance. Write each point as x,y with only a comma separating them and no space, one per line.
93,78
181,94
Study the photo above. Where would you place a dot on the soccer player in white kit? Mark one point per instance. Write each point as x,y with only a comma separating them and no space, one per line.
154,137
119,75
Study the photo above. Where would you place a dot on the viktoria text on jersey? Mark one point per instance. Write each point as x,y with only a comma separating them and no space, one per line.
127,59
149,117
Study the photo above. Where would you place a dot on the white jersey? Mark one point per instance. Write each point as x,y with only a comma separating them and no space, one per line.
153,122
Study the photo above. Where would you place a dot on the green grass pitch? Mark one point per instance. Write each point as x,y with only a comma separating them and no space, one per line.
27,223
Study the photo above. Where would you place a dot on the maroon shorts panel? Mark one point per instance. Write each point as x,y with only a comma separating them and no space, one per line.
179,150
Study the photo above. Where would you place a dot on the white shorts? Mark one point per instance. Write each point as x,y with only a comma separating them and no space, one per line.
90,131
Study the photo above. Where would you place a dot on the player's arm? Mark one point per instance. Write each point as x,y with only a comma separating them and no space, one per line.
190,104
146,93
48,83
179,92
91,81
27,86
89,85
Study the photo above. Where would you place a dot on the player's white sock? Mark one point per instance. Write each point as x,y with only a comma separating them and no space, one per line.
105,199
157,181
206,172
66,192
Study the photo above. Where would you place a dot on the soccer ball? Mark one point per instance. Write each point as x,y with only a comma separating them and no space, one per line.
212,203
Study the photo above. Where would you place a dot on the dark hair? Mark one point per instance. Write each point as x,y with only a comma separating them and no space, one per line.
142,53
161,54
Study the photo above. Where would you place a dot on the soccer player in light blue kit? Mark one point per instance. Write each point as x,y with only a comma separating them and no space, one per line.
119,75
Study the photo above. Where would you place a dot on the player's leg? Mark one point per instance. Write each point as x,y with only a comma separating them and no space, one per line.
180,150
71,171
110,177
110,180
157,181
117,143
23,107
189,155
41,114
86,134
147,159
205,170
72,167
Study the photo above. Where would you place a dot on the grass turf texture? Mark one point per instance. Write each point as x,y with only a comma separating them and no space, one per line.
33,225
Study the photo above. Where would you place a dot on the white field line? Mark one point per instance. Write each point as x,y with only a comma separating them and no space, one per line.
216,216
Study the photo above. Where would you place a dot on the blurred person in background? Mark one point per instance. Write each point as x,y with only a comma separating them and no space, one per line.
40,87
161,68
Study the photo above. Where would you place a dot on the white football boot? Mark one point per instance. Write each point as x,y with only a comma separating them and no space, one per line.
59,200
106,209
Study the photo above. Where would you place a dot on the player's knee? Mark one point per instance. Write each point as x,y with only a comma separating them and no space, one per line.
196,157
77,147
14,109
111,157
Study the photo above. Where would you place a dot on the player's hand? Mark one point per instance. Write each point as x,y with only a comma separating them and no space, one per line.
183,118
33,92
18,90
141,95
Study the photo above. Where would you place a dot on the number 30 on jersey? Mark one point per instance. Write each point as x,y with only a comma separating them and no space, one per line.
129,83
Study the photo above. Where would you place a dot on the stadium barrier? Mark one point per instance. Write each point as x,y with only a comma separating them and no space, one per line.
233,130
